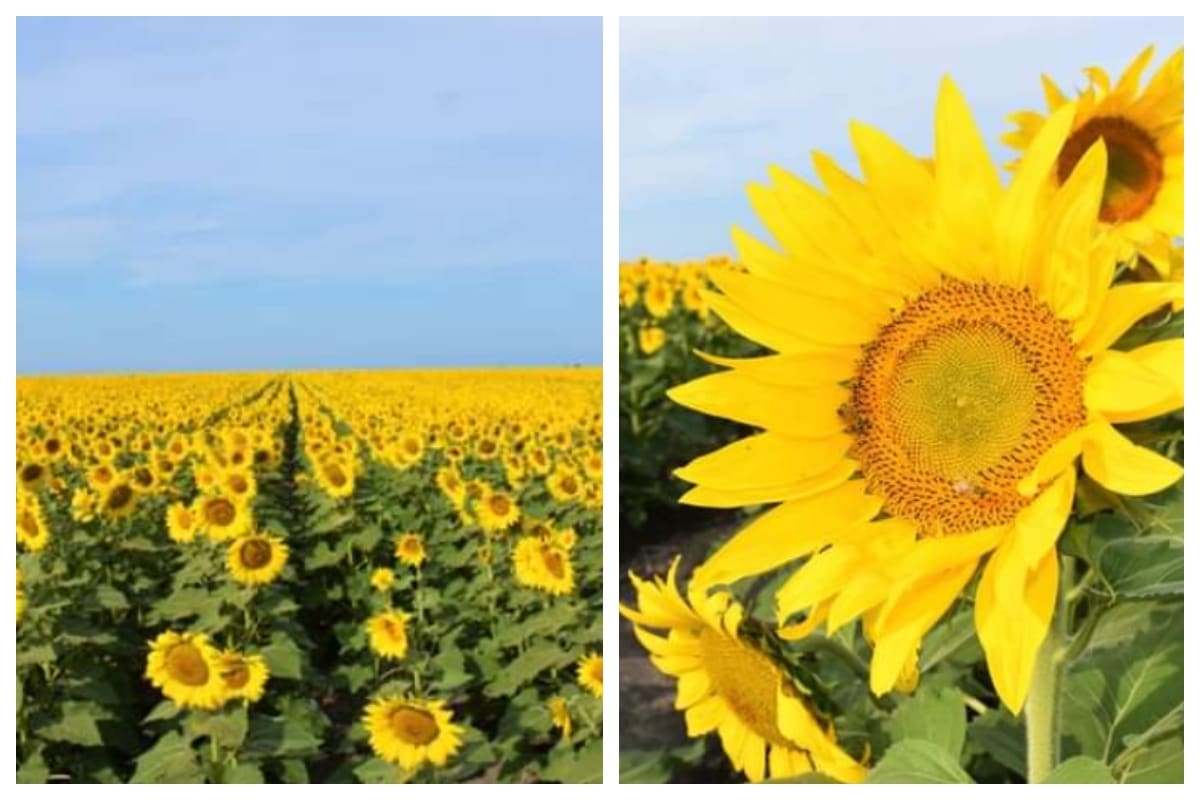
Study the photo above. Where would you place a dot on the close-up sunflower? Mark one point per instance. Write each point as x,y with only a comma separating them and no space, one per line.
543,565
497,511
412,732
185,667
410,549
256,558
1142,130
727,685
243,676
931,390
181,523
221,518
387,633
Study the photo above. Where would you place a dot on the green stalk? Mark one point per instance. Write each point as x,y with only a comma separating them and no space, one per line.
1043,706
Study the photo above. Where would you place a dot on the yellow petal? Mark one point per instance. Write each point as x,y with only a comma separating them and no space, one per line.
968,187
1019,207
768,459
794,369
1059,457
693,687
900,635
1127,386
791,530
803,413
704,717
808,315
753,328
1037,527
710,497
1064,270
1123,306
1121,466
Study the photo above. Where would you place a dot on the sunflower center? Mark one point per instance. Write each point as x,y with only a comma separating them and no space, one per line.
28,523
185,664
413,725
499,504
746,680
32,473
553,561
119,497
957,399
255,554
1135,166
239,484
220,512
335,474
236,675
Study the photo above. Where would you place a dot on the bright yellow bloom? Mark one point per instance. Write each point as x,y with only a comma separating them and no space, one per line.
560,715
387,632
243,677
729,686
591,674
651,339
410,549
412,732
256,558
382,579
543,565
221,518
943,358
181,523
1142,129
497,512
184,666
32,530
83,504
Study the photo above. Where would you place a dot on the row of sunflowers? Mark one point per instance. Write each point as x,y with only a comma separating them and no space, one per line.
330,577
967,424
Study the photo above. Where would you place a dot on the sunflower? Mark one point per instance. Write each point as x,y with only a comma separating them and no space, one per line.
221,518
497,511
33,476
410,732
100,476
591,673
651,339
388,634
410,549
336,477
181,523
451,483
659,297
32,530
564,485
256,558
83,504
1142,130
184,666
943,358
543,565
728,685
560,715
243,677
382,579
238,484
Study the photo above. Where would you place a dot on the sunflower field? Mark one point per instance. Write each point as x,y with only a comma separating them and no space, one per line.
963,455
366,577
665,319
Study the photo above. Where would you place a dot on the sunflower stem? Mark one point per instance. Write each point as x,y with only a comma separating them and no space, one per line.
1043,709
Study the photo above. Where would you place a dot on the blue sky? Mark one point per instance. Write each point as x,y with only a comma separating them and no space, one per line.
286,193
707,105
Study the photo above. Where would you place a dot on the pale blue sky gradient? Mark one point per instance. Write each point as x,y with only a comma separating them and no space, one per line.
287,193
708,104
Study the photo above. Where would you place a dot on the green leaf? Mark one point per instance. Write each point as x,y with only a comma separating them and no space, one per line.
525,668
566,765
1000,736
284,657
934,715
375,770
77,725
243,773
1148,566
1161,762
109,597
1080,769
1124,693
166,709
227,727
40,654
918,761
170,760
